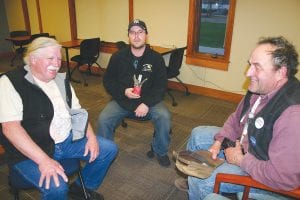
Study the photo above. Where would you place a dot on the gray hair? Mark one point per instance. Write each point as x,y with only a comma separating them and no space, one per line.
39,43
285,54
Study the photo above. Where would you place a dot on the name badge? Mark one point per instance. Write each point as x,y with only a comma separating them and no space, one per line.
259,122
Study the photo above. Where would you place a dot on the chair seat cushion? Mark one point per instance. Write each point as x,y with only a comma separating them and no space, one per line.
172,73
145,118
20,50
76,58
81,60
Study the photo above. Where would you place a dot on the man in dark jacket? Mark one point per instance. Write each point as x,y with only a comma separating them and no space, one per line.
136,79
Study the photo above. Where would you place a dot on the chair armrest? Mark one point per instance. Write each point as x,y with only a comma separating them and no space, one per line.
248,182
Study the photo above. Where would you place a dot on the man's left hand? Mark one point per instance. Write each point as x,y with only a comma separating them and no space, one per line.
234,155
141,110
92,147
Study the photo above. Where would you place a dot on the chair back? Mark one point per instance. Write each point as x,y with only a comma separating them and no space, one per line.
18,34
89,50
175,62
121,45
34,36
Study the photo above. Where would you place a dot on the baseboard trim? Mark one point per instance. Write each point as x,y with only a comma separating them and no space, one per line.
227,96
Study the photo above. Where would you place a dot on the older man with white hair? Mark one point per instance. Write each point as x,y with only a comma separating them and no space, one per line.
37,103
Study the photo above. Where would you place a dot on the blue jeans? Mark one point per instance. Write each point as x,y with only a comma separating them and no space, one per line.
202,137
93,173
112,115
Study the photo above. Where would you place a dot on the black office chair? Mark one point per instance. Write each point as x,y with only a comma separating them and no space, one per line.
19,45
37,35
173,68
124,124
121,45
89,53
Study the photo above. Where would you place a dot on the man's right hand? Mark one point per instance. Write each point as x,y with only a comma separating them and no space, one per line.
49,169
17,135
215,149
129,93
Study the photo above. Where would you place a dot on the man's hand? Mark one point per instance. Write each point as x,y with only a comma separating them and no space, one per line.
215,149
234,155
49,169
92,147
141,110
129,93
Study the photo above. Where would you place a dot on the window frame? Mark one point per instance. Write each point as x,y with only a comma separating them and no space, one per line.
204,59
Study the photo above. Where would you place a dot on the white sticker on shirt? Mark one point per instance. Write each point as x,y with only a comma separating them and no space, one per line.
259,122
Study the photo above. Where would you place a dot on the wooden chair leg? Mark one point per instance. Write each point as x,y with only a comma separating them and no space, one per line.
246,193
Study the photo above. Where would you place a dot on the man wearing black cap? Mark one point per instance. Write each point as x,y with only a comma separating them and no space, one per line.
136,79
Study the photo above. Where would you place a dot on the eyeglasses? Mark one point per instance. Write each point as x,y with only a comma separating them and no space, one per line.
134,33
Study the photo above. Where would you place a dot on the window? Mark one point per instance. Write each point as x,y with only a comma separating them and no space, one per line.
210,33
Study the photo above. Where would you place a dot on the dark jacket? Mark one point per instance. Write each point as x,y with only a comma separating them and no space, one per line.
37,115
120,72
260,138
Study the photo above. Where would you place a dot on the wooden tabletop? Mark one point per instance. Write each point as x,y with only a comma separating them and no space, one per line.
162,50
71,43
19,38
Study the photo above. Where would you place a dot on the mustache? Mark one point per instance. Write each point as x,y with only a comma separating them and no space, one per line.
51,67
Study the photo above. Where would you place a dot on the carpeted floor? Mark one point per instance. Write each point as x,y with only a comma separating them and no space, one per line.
132,175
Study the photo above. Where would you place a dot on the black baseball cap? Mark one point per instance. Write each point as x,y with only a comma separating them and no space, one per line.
138,22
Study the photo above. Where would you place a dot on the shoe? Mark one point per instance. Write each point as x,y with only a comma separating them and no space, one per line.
163,160
181,184
76,193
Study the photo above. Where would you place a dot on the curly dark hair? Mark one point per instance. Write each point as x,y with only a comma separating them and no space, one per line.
284,55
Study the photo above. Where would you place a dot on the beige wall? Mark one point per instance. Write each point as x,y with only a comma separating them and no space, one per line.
106,19
55,18
14,14
167,22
